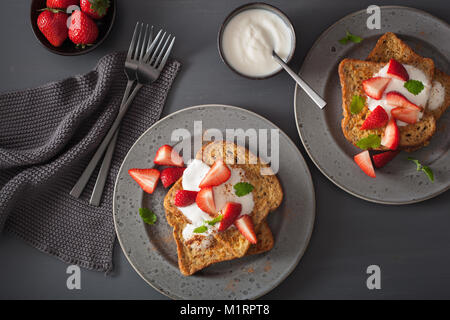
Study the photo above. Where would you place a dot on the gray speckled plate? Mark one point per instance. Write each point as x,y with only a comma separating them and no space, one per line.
151,250
320,130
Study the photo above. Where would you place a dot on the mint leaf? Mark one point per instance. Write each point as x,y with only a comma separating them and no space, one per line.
147,215
350,37
215,220
414,86
370,142
357,104
242,188
425,169
200,229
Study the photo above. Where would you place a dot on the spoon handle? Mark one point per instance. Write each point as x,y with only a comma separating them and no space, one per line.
309,91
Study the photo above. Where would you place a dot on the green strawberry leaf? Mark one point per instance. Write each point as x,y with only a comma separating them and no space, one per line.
425,169
357,104
147,215
370,142
414,86
242,188
215,220
350,37
200,229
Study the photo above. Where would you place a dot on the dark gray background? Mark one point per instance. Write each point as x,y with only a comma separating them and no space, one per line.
410,243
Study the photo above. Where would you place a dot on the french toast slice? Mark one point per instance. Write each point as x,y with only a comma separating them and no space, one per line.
389,46
230,244
352,73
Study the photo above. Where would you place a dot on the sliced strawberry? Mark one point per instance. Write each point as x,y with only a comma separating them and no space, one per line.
245,226
397,70
166,156
374,87
363,161
391,135
407,115
376,119
381,159
218,174
171,175
146,178
396,99
184,198
205,201
230,212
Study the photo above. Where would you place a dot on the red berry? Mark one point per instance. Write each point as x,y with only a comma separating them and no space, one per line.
171,175
53,24
83,30
381,159
376,119
184,198
96,9
61,4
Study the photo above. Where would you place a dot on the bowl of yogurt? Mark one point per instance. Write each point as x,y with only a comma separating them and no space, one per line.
250,34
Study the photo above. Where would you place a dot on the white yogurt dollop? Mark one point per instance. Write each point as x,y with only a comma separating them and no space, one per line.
437,95
249,39
398,85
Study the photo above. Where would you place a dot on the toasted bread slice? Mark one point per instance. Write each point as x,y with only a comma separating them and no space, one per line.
352,73
389,46
265,239
229,244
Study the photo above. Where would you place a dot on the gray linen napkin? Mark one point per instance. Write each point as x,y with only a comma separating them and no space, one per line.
47,137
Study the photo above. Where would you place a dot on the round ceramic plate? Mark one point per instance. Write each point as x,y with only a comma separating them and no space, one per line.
320,130
151,249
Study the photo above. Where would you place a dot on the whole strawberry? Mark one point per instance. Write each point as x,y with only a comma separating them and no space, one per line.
82,31
96,9
61,4
53,24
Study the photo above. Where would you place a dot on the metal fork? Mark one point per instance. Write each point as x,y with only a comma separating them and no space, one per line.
148,70
131,66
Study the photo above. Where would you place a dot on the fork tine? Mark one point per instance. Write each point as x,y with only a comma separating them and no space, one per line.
157,49
144,43
161,52
138,45
166,56
150,38
133,42
152,45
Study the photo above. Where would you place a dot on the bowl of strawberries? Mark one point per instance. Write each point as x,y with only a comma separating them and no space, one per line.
72,27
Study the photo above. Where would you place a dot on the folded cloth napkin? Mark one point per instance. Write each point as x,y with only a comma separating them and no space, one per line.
47,137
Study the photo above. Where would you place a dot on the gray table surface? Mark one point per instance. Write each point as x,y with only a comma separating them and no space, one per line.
410,243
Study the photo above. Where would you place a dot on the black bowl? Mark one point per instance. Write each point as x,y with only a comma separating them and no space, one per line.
68,48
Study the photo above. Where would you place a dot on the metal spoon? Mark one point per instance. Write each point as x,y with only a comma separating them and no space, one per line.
309,91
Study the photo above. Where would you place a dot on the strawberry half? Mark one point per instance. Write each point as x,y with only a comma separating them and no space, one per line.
374,87
184,198
376,119
381,159
391,135
205,201
146,178
245,227
217,174
363,161
396,99
167,156
407,115
171,175
230,212
397,70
